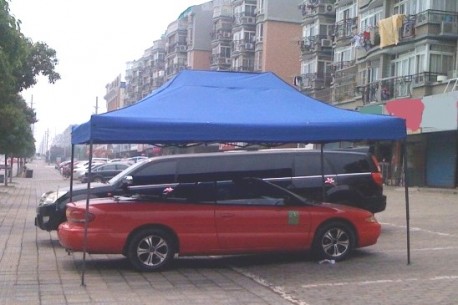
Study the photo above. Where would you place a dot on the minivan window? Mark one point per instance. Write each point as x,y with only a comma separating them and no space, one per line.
233,166
155,172
351,163
116,179
249,192
310,165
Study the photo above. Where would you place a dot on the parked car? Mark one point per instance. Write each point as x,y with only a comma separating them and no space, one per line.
81,168
137,159
350,177
104,172
247,215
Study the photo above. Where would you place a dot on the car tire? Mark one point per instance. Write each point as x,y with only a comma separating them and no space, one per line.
333,241
150,249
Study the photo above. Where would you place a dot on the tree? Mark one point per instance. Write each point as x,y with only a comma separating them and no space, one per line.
21,62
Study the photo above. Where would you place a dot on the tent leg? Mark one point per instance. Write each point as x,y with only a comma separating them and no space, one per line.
323,188
72,160
406,190
86,216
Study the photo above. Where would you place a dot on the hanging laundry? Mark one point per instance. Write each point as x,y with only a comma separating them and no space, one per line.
367,43
357,41
389,30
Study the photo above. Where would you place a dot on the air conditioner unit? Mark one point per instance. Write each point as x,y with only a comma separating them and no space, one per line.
326,42
182,48
441,78
330,8
228,61
449,28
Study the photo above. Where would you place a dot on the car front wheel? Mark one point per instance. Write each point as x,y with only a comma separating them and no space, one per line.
150,250
334,241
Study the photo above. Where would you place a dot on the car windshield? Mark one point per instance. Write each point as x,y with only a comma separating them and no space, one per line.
116,179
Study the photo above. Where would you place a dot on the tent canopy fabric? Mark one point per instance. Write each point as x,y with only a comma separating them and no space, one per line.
213,106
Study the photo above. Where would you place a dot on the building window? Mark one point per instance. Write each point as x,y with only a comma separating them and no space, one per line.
370,19
346,12
343,56
259,32
441,63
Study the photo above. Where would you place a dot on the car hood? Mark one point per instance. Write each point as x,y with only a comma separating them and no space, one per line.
84,186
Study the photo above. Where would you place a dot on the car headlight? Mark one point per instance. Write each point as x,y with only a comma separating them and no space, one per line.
51,197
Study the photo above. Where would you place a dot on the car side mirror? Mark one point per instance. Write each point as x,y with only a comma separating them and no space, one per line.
127,181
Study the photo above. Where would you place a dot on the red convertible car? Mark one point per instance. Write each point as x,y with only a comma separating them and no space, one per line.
215,218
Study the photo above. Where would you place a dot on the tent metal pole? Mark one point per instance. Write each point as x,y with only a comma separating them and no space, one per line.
72,160
406,190
323,189
86,219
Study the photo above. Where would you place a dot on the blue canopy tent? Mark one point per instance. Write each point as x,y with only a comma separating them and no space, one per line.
211,106
214,106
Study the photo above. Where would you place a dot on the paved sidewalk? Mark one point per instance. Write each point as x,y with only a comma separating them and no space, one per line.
35,269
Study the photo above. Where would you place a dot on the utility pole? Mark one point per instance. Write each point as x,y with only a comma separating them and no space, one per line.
96,105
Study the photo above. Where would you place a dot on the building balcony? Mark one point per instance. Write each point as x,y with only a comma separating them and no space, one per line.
222,11
386,89
346,29
244,68
244,19
313,81
222,35
243,46
445,22
220,60
428,23
315,7
316,43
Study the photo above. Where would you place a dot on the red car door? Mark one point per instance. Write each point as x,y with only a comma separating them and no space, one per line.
253,219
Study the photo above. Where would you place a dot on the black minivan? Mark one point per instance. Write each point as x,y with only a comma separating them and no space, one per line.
348,177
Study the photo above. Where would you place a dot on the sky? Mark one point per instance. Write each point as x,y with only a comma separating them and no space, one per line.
93,39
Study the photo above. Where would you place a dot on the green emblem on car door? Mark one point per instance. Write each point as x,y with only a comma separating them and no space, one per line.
293,217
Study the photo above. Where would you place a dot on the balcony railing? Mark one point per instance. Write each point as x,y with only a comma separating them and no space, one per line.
314,81
386,89
435,16
395,87
342,65
344,28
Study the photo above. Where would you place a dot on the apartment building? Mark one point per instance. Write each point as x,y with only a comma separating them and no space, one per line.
395,57
115,94
145,74
235,35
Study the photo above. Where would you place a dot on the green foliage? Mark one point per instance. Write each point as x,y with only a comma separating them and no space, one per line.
17,138
21,62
